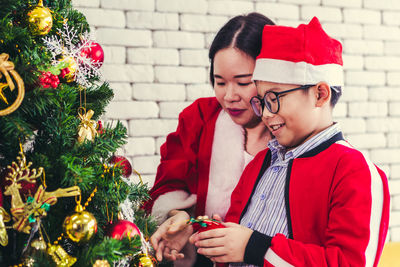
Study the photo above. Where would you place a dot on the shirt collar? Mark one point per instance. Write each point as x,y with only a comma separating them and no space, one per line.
311,143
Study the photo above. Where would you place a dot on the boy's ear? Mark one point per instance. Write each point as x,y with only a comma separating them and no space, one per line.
322,93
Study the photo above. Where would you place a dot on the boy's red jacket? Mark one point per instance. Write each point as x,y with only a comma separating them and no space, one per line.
337,206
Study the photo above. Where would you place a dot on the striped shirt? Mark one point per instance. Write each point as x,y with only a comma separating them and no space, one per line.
266,212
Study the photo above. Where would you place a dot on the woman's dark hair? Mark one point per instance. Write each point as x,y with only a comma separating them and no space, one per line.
242,32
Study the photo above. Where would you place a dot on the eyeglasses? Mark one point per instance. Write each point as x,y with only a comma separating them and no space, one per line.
271,100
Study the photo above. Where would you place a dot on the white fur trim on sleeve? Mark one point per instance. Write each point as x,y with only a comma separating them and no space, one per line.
172,200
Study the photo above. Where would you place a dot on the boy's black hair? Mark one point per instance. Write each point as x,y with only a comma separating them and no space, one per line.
336,93
243,32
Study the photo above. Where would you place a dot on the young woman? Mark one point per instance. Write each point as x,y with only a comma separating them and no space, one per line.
216,137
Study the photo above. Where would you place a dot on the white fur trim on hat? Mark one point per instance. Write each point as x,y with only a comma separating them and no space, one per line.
172,200
302,73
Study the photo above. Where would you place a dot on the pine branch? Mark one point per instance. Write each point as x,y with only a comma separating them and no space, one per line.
47,123
109,249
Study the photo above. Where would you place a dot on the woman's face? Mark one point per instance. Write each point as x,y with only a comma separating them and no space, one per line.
233,87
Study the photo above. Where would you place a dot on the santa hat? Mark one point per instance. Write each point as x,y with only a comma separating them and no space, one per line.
302,55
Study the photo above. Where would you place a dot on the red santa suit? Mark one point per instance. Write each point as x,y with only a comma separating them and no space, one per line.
201,162
337,206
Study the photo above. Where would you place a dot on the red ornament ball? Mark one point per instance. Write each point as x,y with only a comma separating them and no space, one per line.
94,52
123,228
123,163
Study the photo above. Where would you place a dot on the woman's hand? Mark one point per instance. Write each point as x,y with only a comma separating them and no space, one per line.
223,244
171,236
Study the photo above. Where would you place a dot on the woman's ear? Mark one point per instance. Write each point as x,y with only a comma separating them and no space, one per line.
322,94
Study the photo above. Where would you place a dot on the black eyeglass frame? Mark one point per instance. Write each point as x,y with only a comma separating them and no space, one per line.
263,102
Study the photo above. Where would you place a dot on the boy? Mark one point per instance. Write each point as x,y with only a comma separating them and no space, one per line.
310,199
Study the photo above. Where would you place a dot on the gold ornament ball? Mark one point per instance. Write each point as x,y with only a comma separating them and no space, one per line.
144,260
40,20
80,226
101,263
72,67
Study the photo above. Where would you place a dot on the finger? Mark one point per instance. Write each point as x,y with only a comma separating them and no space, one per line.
176,255
153,243
212,252
194,237
172,254
210,243
217,217
180,256
168,255
154,240
157,236
230,224
220,259
214,233
159,251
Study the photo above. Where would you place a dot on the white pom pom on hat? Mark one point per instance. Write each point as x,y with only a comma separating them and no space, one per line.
302,55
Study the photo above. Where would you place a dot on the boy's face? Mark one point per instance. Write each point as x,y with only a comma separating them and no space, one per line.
298,117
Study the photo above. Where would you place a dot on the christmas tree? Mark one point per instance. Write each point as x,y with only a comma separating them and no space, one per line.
62,185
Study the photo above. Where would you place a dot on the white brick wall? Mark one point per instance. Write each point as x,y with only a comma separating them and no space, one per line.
152,20
182,6
156,62
178,39
202,23
229,7
365,47
153,56
275,10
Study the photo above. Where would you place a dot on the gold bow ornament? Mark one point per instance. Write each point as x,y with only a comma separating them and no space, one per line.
87,127
7,68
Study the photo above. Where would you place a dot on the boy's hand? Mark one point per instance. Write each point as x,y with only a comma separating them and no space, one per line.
171,236
223,244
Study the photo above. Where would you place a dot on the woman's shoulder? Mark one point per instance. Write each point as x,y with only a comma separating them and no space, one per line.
204,108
